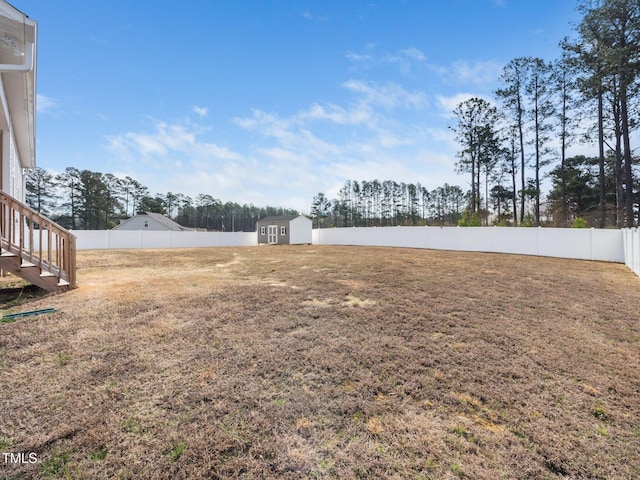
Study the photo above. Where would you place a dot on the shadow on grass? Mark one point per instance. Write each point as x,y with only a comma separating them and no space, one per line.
15,293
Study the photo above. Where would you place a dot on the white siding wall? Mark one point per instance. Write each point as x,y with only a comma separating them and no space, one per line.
12,172
16,175
137,223
300,231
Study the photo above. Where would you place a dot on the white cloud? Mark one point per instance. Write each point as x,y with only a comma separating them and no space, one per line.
200,111
444,136
478,72
388,96
267,123
167,144
336,114
448,104
308,137
302,131
414,54
406,59
311,16
359,57
45,104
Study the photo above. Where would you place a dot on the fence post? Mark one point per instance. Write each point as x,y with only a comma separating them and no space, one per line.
635,241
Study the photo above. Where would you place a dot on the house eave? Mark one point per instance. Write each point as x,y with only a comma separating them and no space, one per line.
19,78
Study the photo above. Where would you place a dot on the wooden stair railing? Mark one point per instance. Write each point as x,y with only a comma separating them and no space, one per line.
34,247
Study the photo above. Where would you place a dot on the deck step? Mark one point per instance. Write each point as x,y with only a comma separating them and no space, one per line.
10,262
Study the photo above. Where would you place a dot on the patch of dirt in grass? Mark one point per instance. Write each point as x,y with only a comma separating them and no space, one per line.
326,362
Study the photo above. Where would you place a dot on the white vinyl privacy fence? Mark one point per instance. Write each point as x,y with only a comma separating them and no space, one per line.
621,246
586,244
98,239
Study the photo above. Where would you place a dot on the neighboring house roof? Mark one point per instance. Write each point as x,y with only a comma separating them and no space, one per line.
167,222
280,218
159,218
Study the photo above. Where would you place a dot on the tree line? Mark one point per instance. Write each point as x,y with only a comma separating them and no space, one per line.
386,203
86,200
389,203
589,95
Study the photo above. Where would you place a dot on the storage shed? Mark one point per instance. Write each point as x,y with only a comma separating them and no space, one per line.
284,230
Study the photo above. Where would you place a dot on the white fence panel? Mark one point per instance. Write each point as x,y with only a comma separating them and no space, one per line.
116,239
125,239
521,241
609,245
155,239
91,239
632,249
565,243
587,244
636,251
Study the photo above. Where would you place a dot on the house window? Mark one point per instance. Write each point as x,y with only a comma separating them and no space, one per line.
283,230
263,230
146,223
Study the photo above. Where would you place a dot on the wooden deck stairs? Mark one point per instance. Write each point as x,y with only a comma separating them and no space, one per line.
35,248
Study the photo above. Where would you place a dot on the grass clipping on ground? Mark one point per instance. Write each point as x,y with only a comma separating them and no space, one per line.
325,362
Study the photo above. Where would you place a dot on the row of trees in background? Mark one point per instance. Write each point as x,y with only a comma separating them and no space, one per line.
86,200
590,94
385,203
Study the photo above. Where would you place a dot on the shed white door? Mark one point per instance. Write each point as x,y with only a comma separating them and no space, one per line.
272,234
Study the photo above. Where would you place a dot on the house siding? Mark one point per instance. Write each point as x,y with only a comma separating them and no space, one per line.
16,175
150,221
138,223
12,168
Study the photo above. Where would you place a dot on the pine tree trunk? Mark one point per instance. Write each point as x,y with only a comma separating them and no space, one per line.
627,157
601,180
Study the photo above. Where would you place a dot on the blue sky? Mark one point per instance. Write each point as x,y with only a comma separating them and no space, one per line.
271,102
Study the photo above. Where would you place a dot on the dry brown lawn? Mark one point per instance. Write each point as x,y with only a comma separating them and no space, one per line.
324,362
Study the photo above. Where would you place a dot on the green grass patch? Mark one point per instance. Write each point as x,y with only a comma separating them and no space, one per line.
133,425
56,464
176,452
98,455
